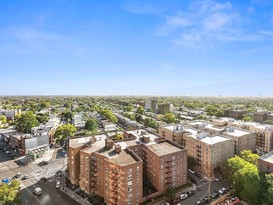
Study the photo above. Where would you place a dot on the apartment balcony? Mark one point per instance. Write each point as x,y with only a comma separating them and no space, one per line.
168,161
168,182
168,177
168,171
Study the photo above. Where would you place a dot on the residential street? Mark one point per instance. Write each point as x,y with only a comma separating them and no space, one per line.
9,167
202,188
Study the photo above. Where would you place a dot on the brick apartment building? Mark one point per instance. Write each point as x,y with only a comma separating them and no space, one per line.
243,139
115,170
265,163
209,151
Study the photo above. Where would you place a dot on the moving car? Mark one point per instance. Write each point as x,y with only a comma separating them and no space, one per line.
37,191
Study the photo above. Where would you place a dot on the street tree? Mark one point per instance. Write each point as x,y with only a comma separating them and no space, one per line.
170,194
64,132
249,156
24,122
10,193
91,125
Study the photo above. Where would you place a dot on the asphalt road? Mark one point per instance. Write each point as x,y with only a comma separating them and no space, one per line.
50,196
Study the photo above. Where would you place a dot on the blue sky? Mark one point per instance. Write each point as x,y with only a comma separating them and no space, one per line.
162,47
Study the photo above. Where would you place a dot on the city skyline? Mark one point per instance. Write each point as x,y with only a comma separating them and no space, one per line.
136,48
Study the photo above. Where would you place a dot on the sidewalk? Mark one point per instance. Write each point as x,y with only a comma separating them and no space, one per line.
46,156
190,188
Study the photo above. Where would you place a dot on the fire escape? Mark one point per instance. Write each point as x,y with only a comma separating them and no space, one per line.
113,196
168,172
94,176
260,141
198,155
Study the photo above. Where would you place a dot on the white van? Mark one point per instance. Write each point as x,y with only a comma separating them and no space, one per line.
37,191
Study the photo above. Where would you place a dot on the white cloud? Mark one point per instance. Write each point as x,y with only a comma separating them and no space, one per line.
212,6
217,20
178,21
28,34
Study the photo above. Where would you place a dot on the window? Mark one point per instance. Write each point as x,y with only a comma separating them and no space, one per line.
129,189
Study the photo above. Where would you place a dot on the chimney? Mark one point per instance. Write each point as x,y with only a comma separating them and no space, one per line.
146,139
109,143
117,148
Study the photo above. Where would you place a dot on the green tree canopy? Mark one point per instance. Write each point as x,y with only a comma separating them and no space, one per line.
10,193
170,194
249,156
91,125
246,118
268,122
3,119
246,178
42,118
24,122
149,122
140,110
109,115
169,118
63,132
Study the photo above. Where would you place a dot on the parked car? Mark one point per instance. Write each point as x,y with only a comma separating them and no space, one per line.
166,203
58,184
43,163
222,191
190,193
183,196
214,195
43,179
25,177
218,179
18,175
198,203
7,152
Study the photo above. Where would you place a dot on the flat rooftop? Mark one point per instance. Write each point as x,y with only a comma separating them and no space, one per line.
163,148
176,128
122,159
213,139
237,133
77,142
268,157
213,127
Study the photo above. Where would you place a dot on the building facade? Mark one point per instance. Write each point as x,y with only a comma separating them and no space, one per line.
115,170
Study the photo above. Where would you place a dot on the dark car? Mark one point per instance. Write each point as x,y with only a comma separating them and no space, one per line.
43,179
214,195
25,177
190,193
43,163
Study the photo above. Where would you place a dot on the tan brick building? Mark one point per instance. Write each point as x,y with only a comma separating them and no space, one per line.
208,151
243,139
265,163
115,171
